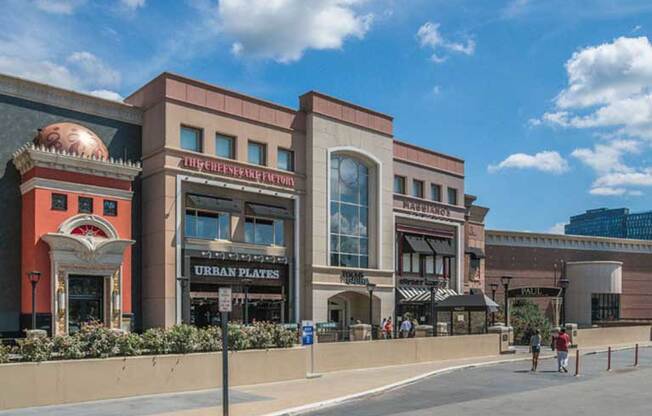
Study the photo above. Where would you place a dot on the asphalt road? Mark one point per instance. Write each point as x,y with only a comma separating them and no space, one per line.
511,389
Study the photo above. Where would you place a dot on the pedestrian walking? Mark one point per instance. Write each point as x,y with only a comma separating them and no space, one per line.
389,328
383,334
406,326
562,342
535,348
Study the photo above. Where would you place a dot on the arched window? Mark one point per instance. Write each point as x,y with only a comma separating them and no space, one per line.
349,209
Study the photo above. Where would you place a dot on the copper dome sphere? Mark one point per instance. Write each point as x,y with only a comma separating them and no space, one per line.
72,138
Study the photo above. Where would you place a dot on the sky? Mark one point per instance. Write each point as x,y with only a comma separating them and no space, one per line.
549,102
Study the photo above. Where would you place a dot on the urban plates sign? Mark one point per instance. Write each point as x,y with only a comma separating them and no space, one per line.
235,272
239,172
534,292
204,270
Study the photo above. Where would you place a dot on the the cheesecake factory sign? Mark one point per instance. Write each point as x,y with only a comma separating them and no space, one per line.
239,172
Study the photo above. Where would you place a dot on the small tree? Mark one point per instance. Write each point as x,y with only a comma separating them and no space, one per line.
525,316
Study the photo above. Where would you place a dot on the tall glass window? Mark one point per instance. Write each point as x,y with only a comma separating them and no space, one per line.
264,231
435,192
191,139
285,160
256,153
349,222
399,184
452,196
207,224
225,146
417,188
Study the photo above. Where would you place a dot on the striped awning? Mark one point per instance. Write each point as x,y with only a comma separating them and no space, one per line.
422,294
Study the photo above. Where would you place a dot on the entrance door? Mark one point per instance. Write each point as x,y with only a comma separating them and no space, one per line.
85,301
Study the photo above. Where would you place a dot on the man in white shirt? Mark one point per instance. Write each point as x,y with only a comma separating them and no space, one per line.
406,326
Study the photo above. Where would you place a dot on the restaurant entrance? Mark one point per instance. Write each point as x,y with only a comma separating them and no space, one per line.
85,301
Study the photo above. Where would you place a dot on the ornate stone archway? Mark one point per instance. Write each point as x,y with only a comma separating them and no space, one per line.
86,245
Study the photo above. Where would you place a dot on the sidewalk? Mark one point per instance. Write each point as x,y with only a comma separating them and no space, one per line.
292,394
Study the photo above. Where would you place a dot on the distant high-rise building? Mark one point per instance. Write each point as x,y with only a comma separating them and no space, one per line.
617,223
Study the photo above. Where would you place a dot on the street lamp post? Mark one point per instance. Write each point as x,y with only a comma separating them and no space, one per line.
370,288
245,283
34,277
505,281
184,282
494,287
563,283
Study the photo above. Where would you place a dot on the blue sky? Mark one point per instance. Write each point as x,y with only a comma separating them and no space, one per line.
548,101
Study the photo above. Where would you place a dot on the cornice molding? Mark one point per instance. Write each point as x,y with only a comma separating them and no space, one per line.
30,156
69,99
56,185
565,242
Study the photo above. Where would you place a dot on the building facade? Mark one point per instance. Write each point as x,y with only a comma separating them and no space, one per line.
616,223
26,107
316,212
609,278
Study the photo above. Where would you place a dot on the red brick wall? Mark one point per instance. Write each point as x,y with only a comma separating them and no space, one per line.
532,266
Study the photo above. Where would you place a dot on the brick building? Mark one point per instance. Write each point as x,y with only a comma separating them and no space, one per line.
535,260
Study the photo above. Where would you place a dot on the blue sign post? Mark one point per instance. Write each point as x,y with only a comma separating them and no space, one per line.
307,333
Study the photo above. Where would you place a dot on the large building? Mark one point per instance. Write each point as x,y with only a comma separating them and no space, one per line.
616,223
305,212
608,278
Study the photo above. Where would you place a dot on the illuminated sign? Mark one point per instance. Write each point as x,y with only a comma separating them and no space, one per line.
239,172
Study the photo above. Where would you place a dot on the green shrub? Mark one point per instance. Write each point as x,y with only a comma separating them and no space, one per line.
239,338
209,339
68,347
283,337
35,349
4,353
97,340
261,335
129,344
182,339
155,341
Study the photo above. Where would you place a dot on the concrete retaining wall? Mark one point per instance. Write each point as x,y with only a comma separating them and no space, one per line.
367,354
57,382
598,337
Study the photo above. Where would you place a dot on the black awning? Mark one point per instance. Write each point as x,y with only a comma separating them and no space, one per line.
475,253
442,246
269,211
418,244
468,302
210,203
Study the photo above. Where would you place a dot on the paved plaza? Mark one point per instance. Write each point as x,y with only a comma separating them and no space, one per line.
508,388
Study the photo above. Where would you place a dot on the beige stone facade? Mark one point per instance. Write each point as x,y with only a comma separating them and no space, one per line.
337,245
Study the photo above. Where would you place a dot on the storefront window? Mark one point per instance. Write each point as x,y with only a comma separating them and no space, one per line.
349,196
605,307
204,220
411,263
264,231
430,264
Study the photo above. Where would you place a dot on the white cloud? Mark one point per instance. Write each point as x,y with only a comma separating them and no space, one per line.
133,4
609,86
429,36
640,178
605,158
106,94
607,191
557,228
58,6
91,69
284,29
546,161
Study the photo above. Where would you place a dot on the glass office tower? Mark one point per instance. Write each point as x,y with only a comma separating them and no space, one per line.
617,223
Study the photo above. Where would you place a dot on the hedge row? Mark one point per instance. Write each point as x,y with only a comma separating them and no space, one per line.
97,341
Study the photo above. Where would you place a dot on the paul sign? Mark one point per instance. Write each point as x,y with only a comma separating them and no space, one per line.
534,292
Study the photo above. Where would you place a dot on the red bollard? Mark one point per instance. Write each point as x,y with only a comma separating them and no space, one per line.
577,363
609,359
636,356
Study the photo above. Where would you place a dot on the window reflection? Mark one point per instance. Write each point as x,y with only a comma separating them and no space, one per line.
349,196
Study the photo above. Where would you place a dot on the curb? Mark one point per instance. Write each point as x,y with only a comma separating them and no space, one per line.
333,402
338,400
